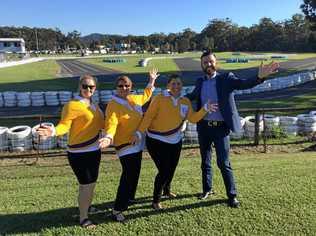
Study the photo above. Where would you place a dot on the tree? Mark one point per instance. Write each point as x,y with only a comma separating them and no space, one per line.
309,9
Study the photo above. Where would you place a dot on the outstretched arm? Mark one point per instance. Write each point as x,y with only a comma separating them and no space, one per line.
263,72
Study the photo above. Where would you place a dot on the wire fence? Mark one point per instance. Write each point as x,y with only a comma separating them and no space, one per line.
258,125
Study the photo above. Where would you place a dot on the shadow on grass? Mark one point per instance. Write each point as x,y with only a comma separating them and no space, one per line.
67,217
311,148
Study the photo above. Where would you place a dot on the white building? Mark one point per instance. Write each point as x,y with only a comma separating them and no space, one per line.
16,45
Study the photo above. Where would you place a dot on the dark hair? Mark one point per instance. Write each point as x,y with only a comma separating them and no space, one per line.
207,52
173,76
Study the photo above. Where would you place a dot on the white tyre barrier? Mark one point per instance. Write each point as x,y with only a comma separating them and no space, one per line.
64,97
306,124
271,123
41,143
37,99
10,99
23,99
4,139
313,113
51,98
289,125
250,126
190,134
157,91
105,96
140,91
1,100
20,138
62,141
241,133
96,97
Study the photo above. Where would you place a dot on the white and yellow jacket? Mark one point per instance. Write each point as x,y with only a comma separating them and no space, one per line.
122,119
165,116
83,122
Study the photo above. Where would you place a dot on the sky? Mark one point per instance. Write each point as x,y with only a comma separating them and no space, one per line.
140,17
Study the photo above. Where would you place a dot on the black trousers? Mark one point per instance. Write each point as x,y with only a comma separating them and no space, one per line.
166,157
131,165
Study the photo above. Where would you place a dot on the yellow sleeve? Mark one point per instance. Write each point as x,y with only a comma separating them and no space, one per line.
193,116
150,114
67,116
143,98
111,120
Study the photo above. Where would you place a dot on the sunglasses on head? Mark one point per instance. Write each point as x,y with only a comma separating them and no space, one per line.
85,86
123,86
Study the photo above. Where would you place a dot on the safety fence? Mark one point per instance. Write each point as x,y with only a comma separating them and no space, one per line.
55,98
260,124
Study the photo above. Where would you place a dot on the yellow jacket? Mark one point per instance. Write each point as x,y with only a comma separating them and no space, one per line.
123,117
83,123
165,117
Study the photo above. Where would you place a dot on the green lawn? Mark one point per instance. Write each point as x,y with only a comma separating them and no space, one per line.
276,191
31,77
299,101
131,64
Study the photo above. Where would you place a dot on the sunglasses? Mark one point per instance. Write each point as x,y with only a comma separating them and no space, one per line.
123,86
85,86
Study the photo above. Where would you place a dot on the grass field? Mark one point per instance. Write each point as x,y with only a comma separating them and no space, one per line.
299,101
277,193
131,64
45,75
31,77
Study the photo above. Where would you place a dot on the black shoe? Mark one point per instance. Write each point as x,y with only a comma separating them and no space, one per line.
233,202
169,195
118,216
205,195
132,201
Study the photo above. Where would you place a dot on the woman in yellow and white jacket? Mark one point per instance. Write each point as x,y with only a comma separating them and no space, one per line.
163,122
83,120
123,116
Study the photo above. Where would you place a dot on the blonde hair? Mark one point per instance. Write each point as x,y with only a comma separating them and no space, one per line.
86,77
125,79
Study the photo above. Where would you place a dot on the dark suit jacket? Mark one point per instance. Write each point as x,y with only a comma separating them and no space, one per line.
226,83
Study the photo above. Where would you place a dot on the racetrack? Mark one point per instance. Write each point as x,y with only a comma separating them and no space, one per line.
190,70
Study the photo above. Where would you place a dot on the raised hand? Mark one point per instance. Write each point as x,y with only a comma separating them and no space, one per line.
153,73
104,142
266,70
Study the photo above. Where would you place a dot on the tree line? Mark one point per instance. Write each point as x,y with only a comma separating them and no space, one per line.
293,35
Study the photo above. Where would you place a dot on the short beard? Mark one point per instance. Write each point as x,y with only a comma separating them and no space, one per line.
207,72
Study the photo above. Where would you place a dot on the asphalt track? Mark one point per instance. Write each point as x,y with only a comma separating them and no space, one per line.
190,70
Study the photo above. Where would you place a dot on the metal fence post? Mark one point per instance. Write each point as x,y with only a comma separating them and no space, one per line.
257,121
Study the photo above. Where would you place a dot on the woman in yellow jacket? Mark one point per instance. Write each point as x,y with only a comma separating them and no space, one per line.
163,122
123,116
83,120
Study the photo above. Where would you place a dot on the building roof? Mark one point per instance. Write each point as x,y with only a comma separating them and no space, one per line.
11,40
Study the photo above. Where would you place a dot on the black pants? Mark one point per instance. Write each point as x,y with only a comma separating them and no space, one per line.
85,165
126,191
166,157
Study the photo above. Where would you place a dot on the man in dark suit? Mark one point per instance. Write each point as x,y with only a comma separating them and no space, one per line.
216,126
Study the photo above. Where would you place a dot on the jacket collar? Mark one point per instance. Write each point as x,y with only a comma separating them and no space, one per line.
212,77
82,100
166,93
